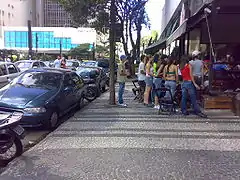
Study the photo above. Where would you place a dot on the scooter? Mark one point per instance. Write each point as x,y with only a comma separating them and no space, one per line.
11,134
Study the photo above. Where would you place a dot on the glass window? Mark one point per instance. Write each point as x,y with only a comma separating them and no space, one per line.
12,69
3,70
36,64
42,64
77,80
45,80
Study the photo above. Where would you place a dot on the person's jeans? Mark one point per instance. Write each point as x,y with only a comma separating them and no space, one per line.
172,85
189,89
120,92
157,85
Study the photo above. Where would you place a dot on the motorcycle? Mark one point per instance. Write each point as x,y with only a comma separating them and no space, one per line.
11,134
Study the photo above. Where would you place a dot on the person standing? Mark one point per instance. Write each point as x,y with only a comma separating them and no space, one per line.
197,67
149,81
121,79
57,62
170,74
142,76
188,88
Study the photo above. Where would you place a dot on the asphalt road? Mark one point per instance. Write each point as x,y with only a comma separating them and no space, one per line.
112,143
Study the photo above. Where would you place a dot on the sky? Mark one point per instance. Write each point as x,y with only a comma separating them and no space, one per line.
154,10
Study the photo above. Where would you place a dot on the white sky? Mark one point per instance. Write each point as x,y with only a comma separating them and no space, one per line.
154,10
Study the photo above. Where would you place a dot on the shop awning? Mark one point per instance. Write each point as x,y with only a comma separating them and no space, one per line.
177,33
160,44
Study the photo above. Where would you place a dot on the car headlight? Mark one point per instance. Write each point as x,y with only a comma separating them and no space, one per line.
35,110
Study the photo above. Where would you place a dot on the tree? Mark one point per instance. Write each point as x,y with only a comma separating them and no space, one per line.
131,15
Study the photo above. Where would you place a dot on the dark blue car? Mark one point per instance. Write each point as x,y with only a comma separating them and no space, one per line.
43,95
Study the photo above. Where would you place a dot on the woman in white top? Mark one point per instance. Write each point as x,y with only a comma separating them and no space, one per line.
149,80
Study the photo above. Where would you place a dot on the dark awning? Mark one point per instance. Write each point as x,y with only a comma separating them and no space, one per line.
160,44
177,33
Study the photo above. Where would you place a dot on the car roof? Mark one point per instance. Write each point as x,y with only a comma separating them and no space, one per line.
52,70
3,62
28,61
89,67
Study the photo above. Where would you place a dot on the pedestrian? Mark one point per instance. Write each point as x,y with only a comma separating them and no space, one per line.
121,78
188,88
197,67
57,62
170,74
158,83
142,76
63,63
149,81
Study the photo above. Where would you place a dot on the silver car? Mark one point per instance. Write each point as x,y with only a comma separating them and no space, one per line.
8,71
24,65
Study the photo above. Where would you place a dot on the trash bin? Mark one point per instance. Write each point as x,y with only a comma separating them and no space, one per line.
236,105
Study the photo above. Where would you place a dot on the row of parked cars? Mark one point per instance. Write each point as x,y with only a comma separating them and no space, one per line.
43,94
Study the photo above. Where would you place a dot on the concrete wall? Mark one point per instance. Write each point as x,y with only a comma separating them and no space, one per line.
168,10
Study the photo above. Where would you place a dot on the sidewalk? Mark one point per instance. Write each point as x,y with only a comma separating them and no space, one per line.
113,143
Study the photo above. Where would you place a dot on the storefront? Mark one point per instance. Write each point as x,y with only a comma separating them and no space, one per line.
212,27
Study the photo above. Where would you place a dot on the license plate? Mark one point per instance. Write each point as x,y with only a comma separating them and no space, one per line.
19,130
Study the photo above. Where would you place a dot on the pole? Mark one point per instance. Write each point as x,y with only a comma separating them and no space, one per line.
112,35
36,43
94,51
60,47
30,52
211,53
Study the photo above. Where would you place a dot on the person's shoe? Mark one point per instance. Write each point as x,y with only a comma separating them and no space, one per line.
185,113
123,105
156,107
202,115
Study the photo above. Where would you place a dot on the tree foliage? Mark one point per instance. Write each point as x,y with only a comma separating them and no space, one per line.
131,14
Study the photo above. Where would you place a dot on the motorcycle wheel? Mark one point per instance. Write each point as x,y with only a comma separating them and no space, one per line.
5,158
91,94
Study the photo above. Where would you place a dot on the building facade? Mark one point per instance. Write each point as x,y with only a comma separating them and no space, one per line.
55,15
168,10
46,39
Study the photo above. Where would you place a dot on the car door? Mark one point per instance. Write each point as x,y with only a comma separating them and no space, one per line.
68,92
13,72
78,86
3,75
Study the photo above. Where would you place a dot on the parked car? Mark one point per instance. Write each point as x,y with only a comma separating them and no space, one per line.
8,71
24,65
49,63
95,78
43,95
103,63
73,64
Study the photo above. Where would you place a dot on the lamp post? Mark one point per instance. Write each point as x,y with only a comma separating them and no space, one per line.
112,35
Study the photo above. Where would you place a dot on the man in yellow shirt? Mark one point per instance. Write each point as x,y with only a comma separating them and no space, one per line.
121,79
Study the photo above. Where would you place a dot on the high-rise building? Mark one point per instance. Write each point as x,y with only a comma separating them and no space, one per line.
55,15
17,12
168,10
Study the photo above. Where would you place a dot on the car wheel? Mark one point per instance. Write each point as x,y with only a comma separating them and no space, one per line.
81,102
104,88
53,121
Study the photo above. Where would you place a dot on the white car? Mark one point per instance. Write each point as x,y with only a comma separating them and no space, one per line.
8,71
24,65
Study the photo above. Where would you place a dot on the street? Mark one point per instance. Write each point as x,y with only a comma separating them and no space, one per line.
109,142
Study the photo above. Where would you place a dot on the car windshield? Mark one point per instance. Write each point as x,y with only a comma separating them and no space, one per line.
89,63
88,72
23,64
45,80
72,64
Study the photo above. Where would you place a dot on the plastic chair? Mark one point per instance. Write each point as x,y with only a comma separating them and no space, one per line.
136,90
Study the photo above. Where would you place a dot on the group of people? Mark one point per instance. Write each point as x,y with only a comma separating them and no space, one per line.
60,62
160,71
